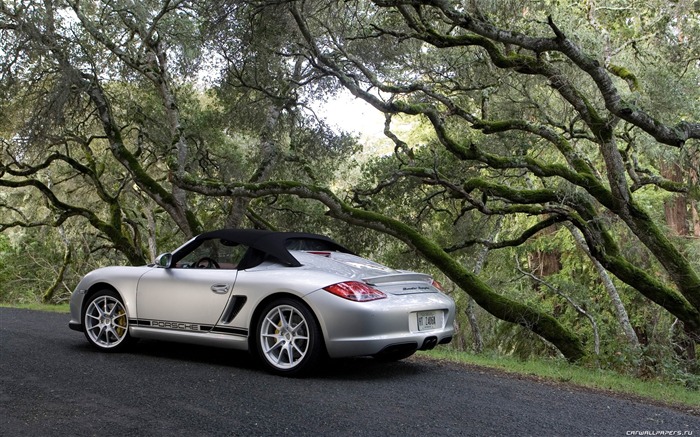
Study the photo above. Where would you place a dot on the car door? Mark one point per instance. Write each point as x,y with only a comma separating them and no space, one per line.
181,297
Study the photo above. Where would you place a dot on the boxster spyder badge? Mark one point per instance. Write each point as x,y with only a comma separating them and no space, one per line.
290,298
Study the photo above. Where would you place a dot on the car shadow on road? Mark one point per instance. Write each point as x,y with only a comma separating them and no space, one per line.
367,368
356,368
166,350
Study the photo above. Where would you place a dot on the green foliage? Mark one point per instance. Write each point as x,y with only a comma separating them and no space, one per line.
26,268
63,308
559,371
486,144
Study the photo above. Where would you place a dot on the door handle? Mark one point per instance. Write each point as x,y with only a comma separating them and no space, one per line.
220,288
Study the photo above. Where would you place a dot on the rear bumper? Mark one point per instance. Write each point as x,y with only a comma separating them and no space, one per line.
372,346
409,348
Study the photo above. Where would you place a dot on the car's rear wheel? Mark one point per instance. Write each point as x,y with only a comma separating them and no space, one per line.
105,321
288,338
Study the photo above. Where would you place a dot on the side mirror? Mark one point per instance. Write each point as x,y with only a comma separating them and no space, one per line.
164,260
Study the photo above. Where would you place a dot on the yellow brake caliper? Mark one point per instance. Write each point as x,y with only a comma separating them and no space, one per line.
120,327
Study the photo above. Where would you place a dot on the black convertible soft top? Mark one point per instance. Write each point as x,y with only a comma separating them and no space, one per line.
264,245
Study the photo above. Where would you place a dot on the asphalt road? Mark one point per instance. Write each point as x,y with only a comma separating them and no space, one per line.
53,384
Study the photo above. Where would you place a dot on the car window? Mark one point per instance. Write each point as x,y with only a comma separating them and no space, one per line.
214,253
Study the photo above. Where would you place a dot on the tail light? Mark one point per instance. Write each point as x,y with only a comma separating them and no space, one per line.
438,285
355,291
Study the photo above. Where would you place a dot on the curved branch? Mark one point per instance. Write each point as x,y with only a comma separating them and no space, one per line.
111,230
484,34
525,236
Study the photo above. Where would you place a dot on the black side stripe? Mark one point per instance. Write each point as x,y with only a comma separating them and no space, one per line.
233,331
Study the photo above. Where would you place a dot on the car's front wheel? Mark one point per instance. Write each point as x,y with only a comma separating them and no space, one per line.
289,341
105,321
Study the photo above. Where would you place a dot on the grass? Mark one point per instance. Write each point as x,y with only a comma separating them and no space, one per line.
560,371
554,371
60,308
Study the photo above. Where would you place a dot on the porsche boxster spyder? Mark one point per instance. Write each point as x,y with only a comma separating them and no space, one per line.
289,298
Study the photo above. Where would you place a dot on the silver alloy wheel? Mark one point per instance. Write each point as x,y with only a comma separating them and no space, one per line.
284,337
106,323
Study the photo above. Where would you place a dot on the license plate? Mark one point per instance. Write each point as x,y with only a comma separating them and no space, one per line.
428,320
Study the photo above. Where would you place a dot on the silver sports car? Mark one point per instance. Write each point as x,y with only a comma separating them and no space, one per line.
290,298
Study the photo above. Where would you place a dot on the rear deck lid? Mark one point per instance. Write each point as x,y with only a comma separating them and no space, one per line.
357,268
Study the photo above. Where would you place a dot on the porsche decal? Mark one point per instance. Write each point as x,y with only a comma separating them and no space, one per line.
175,325
190,327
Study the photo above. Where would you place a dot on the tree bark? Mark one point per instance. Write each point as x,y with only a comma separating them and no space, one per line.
676,208
48,295
620,310
470,310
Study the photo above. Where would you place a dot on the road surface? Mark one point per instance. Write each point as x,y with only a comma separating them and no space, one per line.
53,383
